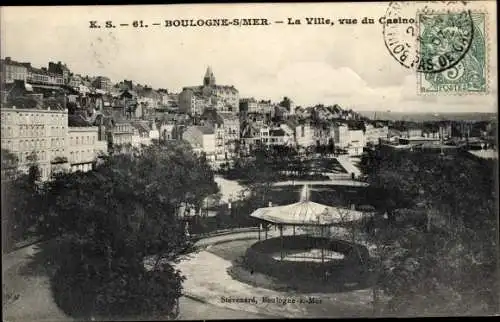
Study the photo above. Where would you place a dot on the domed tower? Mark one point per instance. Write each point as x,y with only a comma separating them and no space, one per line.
209,79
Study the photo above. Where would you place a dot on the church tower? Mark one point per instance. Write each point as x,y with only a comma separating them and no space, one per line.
209,79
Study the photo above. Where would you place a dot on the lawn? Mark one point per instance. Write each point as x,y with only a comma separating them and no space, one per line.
232,251
327,165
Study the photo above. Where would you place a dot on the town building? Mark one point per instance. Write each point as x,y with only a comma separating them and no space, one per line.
41,133
195,99
356,142
141,134
231,125
149,100
304,134
103,83
192,102
43,77
280,112
227,132
121,133
412,132
341,136
84,146
60,69
144,133
272,137
202,139
12,70
251,105
375,132
167,132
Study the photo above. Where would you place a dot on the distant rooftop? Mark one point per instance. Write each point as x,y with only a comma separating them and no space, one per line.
277,132
75,120
205,129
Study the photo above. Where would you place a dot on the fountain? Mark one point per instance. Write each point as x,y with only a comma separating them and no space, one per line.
304,194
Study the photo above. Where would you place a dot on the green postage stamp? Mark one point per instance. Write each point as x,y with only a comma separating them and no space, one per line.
453,48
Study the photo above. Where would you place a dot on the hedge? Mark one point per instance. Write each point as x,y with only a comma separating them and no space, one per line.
259,257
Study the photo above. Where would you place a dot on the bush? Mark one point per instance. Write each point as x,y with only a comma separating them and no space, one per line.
151,294
73,290
82,291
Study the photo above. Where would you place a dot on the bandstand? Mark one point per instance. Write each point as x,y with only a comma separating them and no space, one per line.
300,253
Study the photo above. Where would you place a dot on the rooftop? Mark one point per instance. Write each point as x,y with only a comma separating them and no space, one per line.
76,120
306,212
277,132
9,61
141,127
205,129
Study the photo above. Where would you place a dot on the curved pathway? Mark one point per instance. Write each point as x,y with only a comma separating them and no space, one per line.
208,281
29,279
35,301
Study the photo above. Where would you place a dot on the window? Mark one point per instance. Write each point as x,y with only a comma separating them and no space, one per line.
71,157
77,140
302,131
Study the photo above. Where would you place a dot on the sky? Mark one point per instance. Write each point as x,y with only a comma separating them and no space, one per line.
347,65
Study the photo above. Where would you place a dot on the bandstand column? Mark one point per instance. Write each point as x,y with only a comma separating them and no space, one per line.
260,228
265,230
322,246
293,230
281,237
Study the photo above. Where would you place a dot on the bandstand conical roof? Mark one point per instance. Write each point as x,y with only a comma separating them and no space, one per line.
306,212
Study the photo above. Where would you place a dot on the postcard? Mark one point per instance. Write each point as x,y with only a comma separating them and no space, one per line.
258,160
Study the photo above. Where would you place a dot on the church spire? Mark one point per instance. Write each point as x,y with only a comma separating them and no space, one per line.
209,79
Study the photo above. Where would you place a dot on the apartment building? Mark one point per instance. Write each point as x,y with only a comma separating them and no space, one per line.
84,147
41,133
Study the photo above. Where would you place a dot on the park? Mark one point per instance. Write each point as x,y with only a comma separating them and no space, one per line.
319,247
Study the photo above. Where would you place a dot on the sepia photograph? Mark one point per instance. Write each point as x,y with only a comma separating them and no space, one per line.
249,161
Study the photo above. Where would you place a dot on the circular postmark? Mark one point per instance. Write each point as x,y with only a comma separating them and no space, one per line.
429,37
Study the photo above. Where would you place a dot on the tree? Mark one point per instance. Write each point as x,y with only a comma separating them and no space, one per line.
439,232
112,218
286,103
21,197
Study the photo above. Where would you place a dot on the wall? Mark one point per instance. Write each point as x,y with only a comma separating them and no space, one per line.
208,143
304,138
356,142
